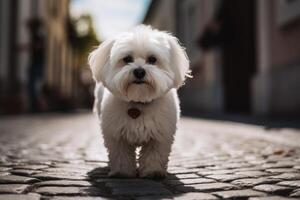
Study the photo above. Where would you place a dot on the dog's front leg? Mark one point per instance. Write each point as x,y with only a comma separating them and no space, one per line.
153,160
122,158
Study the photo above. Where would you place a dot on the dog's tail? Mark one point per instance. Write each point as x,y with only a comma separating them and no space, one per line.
98,93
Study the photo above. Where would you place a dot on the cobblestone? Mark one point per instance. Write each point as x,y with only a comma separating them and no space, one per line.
155,197
253,174
131,183
63,183
239,194
136,187
287,176
185,196
78,198
4,169
140,191
20,197
184,176
274,189
61,175
182,170
276,165
17,179
189,181
196,196
290,183
227,177
215,172
31,167
12,188
53,190
248,182
282,170
295,193
65,170
207,187
4,173
58,158
297,167
270,198
24,172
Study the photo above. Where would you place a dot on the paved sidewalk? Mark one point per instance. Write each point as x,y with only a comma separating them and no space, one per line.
61,157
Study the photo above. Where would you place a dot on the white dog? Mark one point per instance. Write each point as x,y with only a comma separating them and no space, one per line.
137,74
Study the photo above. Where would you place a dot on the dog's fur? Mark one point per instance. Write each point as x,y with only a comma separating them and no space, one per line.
116,92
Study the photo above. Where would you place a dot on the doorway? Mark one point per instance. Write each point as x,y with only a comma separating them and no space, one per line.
238,54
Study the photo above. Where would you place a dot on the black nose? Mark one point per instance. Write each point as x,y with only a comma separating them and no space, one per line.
139,73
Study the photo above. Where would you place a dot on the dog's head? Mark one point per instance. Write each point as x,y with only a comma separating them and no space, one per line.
141,65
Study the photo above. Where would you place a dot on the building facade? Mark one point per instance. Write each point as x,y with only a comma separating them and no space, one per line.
276,85
60,57
59,73
245,56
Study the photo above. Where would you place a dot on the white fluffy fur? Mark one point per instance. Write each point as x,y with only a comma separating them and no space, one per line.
157,99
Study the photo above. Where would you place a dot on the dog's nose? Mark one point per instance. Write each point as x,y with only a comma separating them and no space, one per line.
139,73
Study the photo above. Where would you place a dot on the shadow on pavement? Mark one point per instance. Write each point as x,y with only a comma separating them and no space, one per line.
129,188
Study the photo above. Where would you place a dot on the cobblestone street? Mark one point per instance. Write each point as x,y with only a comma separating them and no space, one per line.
61,156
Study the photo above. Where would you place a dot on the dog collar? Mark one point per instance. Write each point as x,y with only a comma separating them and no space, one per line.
140,103
135,112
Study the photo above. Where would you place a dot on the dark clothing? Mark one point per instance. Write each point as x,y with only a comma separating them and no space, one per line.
36,69
37,48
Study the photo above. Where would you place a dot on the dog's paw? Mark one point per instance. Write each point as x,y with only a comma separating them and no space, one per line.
121,175
154,175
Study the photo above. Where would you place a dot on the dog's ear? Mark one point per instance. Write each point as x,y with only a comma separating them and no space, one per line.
179,61
98,58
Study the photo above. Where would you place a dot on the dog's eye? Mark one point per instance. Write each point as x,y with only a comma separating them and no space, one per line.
128,59
151,60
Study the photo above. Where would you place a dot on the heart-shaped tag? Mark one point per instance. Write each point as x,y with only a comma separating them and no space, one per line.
134,113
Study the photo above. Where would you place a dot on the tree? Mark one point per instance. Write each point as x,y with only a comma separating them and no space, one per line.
82,36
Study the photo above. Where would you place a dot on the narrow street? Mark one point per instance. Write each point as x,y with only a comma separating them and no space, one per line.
61,156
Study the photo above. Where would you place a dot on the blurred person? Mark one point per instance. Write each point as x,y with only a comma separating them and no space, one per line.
36,67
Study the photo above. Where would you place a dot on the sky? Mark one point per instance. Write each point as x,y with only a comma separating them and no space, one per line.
111,16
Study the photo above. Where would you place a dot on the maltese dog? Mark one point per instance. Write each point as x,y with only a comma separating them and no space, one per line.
137,74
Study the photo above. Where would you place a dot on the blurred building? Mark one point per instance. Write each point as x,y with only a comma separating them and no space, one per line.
59,73
244,55
60,60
